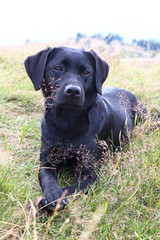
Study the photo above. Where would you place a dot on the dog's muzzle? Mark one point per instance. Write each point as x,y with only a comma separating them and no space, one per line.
70,96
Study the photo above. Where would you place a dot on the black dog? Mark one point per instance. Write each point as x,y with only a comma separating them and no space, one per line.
76,115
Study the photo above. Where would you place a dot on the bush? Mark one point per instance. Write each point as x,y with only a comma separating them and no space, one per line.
151,44
111,37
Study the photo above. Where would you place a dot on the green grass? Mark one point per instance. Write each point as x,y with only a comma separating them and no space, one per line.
124,203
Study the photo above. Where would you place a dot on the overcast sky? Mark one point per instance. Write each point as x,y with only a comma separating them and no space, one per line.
51,20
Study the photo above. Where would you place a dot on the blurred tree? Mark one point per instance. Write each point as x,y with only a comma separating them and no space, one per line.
154,45
111,37
142,43
79,36
151,44
98,36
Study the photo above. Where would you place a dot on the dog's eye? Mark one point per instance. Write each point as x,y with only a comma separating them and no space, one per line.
85,72
59,68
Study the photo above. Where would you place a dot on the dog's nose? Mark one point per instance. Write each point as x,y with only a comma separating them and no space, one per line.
72,90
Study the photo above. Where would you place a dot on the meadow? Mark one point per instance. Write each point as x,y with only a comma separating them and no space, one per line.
124,202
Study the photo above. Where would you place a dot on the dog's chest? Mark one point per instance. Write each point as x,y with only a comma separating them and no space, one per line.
67,126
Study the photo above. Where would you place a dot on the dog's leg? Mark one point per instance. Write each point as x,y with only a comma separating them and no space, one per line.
48,181
84,179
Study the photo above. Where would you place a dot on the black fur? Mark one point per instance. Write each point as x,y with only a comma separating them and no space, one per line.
76,115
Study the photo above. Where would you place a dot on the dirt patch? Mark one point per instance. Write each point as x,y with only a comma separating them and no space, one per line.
5,157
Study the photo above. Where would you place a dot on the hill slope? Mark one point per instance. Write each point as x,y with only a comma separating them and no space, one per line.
124,202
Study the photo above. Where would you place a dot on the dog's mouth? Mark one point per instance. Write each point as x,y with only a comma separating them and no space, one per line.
70,106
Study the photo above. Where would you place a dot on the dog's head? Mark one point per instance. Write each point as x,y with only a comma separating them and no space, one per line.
67,73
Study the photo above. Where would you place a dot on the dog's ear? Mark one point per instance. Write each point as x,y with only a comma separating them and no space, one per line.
102,70
35,67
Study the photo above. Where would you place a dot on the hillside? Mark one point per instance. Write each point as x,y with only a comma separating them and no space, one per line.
124,201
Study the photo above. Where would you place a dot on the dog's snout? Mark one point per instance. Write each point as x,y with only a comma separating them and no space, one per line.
70,96
72,90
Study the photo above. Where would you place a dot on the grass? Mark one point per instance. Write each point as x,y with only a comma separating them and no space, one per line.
124,203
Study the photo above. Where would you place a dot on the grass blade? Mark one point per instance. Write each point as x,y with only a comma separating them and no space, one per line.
24,129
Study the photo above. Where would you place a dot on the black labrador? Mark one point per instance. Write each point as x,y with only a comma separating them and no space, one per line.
77,114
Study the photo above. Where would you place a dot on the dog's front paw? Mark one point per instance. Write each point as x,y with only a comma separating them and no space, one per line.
53,201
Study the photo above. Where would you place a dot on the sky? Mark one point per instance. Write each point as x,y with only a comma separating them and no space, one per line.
59,20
